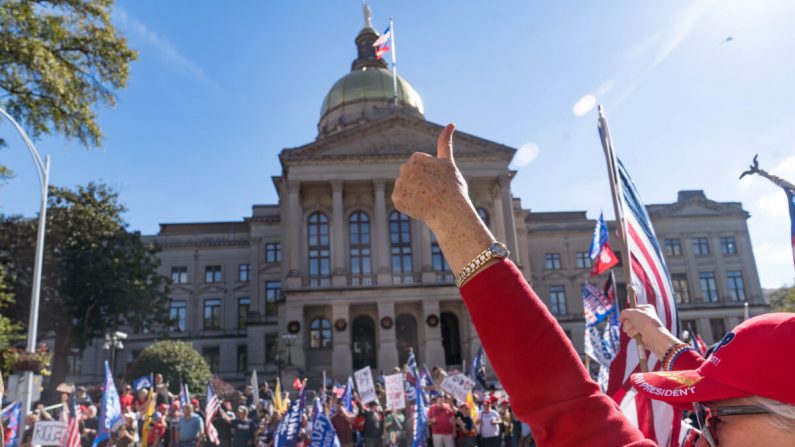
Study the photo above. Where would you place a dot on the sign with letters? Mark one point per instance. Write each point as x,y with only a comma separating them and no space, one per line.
48,433
365,385
458,385
395,394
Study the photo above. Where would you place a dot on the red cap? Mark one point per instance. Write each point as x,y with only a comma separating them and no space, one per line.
195,403
752,360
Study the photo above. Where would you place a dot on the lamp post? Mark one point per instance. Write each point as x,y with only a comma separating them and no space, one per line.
288,340
114,341
43,171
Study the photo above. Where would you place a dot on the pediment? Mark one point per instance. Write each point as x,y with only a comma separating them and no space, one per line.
696,208
395,136
212,288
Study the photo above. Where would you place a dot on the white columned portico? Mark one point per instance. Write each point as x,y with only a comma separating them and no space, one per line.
387,349
426,259
434,351
507,215
293,237
339,272
380,231
341,356
498,225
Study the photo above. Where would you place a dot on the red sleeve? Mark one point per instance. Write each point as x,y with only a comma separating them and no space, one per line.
538,366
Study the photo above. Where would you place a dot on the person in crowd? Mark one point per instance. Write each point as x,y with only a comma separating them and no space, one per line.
82,396
140,402
126,398
127,435
172,424
90,426
465,427
442,421
343,424
373,425
161,390
393,428
506,426
556,396
265,392
248,396
243,427
158,427
190,428
222,425
489,425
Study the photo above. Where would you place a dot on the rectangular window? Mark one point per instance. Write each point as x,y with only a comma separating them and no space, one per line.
700,246
584,260
212,273
75,360
176,313
273,252
673,247
736,286
244,273
681,289
557,300
242,358
709,287
273,292
271,348
212,354
728,246
552,261
179,275
243,306
212,314
718,328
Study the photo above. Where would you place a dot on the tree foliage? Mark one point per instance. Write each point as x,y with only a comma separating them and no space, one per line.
97,276
783,299
10,330
179,363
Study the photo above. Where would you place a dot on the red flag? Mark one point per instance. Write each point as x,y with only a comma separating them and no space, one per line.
297,384
605,261
702,347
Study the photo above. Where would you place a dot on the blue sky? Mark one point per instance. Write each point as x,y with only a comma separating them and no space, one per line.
221,87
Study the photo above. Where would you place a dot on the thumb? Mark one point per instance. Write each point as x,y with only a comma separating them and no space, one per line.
444,146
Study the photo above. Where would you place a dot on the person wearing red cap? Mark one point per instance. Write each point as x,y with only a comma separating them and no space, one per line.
539,367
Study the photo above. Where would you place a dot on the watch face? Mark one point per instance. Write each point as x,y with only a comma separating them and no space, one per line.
500,250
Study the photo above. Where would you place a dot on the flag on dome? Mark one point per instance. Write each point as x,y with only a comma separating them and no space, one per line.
791,200
601,253
383,43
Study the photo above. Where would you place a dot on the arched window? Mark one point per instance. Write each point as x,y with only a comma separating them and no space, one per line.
318,245
484,216
359,236
400,242
319,333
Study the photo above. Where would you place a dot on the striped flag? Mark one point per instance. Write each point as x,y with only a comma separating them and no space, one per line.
420,413
382,44
210,411
791,200
72,436
11,433
184,394
650,281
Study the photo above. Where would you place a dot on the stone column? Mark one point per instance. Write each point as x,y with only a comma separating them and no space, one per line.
341,355
498,221
387,349
293,236
380,231
434,351
339,272
426,262
507,212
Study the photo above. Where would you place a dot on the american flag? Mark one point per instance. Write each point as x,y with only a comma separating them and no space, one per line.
72,436
210,411
652,285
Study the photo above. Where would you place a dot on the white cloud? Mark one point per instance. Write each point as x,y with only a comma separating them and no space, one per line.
584,105
525,155
165,49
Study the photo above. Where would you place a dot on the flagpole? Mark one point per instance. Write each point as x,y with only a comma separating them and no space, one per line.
610,158
394,61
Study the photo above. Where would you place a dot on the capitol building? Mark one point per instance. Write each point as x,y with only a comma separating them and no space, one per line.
332,278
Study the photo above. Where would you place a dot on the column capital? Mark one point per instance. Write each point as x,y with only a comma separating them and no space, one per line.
379,183
504,180
293,186
336,185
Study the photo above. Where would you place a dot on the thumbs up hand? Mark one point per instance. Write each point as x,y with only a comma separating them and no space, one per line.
432,190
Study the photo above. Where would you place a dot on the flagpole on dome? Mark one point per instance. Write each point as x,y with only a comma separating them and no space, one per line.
394,61
610,158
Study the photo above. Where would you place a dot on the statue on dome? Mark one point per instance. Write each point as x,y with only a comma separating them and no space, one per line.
368,14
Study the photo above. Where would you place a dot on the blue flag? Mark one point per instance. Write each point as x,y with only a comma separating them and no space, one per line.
290,425
596,304
478,371
420,412
184,394
12,415
323,434
110,410
317,410
600,236
142,382
347,397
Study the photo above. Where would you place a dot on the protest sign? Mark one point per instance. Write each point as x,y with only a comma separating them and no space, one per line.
395,395
365,385
458,385
48,433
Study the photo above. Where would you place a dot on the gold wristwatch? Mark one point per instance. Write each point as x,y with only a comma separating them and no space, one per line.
495,251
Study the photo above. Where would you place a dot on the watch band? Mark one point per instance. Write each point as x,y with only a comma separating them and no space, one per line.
494,251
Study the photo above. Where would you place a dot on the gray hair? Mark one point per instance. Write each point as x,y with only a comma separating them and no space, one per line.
782,415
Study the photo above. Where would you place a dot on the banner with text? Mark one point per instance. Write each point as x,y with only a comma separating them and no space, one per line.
395,394
365,385
48,433
458,385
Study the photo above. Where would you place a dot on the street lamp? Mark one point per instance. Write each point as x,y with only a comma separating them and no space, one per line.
43,171
288,340
114,341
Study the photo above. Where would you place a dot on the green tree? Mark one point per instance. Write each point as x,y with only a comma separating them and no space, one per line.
783,299
10,330
179,363
59,59
97,277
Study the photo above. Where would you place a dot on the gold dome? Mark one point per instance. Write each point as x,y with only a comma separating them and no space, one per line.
370,84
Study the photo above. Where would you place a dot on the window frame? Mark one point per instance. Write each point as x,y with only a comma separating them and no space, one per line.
182,274
360,260
213,273
272,297
552,261
273,252
244,269
318,245
557,300
710,295
583,260
728,245
400,250
701,246
673,247
732,279
676,280
320,334
181,320
242,317
214,322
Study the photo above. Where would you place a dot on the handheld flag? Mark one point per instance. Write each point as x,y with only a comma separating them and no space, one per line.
473,410
478,371
277,397
255,387
142,382
595,305
110,410
184,394
290,425
791,200
211,409
347,397
323,434
149,411
420,412
11,413
601,253
382,44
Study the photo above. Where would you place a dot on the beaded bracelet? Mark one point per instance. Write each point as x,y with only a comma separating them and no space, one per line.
674,352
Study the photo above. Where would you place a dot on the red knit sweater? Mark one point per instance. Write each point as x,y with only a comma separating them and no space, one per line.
539,368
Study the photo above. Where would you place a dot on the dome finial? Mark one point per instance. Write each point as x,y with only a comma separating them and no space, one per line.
368,14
